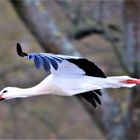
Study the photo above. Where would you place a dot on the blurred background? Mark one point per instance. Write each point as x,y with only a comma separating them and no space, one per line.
105,31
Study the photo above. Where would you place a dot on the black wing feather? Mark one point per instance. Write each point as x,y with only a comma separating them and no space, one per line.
95,96
91,97
88,98
98,92
89,67
20,52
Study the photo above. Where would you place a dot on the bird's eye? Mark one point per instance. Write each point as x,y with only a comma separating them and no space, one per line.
4,91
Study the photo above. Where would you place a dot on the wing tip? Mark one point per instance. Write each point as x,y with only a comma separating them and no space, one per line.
19,51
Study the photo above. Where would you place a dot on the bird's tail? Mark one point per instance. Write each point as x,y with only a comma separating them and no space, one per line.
123,81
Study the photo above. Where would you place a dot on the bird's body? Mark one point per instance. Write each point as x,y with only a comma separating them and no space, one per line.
68,76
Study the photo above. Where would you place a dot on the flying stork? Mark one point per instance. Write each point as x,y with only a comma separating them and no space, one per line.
69,75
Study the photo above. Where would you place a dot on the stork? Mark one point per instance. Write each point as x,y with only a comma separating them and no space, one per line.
69,75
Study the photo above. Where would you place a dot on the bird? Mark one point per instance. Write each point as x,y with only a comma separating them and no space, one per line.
68,76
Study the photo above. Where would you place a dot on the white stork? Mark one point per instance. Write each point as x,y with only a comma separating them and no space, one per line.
69,75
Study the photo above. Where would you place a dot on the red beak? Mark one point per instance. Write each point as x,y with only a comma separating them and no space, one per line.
131,81
1,98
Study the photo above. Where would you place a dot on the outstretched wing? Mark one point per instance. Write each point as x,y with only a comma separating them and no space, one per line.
62,64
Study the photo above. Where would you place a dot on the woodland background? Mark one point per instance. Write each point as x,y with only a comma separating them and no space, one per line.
105,31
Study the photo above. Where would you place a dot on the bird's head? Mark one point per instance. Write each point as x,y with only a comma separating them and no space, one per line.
8,93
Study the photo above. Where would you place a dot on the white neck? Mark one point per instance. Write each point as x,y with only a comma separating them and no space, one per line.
43,87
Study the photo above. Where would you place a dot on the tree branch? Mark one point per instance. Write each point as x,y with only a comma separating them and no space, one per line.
103,31
39,23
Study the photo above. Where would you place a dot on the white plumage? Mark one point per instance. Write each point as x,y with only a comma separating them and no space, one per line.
69,76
